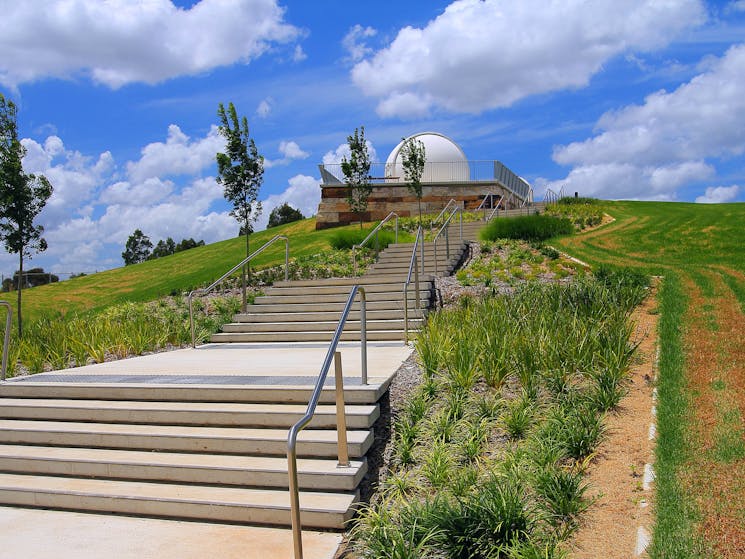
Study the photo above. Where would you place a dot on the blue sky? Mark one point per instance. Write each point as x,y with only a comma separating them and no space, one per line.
117,101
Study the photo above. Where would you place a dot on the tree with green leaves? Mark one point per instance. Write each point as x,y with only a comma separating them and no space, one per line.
22,196
356,171
240,169
284,214
413,157
137,249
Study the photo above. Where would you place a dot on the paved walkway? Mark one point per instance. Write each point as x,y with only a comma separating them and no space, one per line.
42,534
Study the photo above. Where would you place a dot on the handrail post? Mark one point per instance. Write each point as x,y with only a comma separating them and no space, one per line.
341,417
6,339
416,286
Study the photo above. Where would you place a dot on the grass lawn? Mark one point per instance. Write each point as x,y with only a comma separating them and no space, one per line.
701,434
177,273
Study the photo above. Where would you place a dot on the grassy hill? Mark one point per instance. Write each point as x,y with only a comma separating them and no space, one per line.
176,273
700,454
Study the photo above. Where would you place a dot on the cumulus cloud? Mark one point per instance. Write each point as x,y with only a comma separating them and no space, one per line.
290,152
719,194
97,203
264,108
178,155
334,157
299,54
354,42
303,193
479,55
120,42
672,139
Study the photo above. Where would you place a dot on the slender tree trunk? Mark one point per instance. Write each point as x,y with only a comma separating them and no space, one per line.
419,202
20,288
246,271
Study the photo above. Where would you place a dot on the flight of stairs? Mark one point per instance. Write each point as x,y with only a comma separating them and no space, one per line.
193,448
308,310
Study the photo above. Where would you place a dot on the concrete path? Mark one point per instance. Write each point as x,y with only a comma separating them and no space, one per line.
47,534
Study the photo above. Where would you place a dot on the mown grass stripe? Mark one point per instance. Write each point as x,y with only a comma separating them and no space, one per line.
673,536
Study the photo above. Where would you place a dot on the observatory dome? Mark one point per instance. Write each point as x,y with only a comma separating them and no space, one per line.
444,160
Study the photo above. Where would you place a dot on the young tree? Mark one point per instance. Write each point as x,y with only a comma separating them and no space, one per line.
413,158
284,214
240,170
357,172
22,196
137,249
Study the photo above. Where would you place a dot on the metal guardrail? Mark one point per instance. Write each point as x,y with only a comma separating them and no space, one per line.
445,228
292,435
435,221
240,264
369,236
492,206
6,339
413,266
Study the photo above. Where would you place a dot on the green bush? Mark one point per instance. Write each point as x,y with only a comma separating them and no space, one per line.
528,227
568,201
345,240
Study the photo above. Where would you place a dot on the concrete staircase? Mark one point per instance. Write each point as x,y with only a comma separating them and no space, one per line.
207,442
308,310
197,452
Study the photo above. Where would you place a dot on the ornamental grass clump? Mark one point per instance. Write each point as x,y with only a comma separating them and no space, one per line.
491,449
534,228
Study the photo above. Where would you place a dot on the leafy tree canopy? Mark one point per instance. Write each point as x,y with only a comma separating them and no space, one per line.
284,214
356,171
137,249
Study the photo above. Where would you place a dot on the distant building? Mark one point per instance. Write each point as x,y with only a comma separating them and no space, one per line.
448,174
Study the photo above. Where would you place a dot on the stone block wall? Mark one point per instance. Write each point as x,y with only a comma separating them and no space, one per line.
334,210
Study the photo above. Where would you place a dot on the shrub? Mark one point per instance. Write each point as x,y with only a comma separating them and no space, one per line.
529,228
345,240
568,201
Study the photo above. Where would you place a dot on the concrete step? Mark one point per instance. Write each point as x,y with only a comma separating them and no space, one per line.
208,469
319,326
320,316
336,298
271,392
313,291
262,306
225,504
183,413
175,438
308,336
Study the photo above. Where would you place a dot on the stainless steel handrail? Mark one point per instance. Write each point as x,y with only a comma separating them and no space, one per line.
495,210
246,260
413,266
369,236
6,339
445,228
313,402
439,216
490,196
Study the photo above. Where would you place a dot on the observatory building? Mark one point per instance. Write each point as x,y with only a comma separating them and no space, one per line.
448,174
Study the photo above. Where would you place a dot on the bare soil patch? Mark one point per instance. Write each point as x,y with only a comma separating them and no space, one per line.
608,528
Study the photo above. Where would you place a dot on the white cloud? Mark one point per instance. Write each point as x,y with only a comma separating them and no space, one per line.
672,139
290,152
299,54
177,155
735,6
479,55
719,194
119,41
264,108
335,156
303,193
354,42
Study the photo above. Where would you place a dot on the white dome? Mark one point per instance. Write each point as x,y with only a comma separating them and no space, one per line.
444,160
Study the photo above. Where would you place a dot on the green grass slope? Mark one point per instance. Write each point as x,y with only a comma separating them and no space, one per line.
176,273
